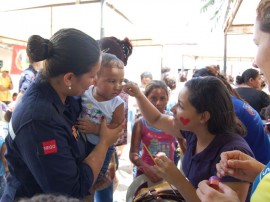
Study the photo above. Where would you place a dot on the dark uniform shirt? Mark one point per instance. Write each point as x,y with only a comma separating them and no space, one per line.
27,77
44,154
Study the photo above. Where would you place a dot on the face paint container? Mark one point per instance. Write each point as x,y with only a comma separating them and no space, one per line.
213,182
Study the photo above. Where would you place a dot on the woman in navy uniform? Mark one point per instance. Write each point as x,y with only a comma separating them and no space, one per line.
45,152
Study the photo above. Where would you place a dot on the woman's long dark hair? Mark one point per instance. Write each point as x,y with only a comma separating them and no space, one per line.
210,94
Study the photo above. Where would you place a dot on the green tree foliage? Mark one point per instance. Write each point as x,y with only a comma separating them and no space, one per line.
218,10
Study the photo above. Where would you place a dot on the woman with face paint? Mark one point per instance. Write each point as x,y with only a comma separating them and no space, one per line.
256,137
236,163
205,118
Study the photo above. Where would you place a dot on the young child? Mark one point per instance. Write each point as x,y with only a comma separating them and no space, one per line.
155,140
3,165
100,101
3,148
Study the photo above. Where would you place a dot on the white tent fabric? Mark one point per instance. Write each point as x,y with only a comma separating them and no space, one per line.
160,22
170,21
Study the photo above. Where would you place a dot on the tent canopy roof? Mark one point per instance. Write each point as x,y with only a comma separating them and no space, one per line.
152,22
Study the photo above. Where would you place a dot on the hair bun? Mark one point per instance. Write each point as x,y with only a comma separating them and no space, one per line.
38,48
48,48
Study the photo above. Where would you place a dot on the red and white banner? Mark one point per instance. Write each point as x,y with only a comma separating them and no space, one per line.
19,59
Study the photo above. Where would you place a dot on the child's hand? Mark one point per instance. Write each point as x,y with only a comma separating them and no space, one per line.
132,89
87,127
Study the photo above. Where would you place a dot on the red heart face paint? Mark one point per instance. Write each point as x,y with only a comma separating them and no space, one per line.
184,121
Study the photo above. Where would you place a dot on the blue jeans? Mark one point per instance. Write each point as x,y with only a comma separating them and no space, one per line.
2,185
107,160
105,195
10,190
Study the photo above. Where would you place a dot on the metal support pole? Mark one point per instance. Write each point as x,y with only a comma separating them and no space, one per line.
102,19
51,23
225,53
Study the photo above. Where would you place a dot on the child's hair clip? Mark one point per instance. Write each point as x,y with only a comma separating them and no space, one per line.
105,50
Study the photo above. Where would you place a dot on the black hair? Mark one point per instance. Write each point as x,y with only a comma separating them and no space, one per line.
156,84
208,72
210,94
68,50
7,115
246,75
121,48
169,80
36,48
203,72
165,70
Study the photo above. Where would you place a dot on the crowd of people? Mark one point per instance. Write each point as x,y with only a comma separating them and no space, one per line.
67,124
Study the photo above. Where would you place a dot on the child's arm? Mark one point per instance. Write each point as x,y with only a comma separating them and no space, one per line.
117,117
135,144
4,161
135,148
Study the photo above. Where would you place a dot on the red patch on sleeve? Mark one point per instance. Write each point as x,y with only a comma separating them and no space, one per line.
49,147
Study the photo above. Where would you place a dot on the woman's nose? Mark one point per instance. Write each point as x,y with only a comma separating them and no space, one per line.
254,64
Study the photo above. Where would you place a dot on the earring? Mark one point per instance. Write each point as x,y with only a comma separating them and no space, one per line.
69,87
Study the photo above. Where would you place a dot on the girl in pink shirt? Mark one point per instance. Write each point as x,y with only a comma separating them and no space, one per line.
152,140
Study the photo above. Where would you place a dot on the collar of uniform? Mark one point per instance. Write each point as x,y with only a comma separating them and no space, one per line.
32,68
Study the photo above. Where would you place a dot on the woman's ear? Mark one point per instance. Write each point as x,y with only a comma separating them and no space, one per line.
68,78
205,116
253,83
250,81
